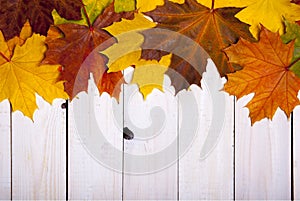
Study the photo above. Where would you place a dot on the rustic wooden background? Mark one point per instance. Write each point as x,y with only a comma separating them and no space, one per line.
46,160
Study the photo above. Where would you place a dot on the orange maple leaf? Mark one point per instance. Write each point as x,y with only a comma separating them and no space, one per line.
267,73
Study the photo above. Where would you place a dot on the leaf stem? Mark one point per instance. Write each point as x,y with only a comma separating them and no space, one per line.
289,66
212,4
1,54
86,15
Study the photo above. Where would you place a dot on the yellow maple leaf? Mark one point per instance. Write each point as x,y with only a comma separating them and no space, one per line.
178,1
224,3
148,74
22,76
127,51
269,13
145,5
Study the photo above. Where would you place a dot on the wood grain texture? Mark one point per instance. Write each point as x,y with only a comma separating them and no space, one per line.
5,155
150,158
206,169
39,153
296,147
91,175
263,156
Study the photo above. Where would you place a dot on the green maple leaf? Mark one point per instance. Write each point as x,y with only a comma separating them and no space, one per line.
124,5
93,9
293,33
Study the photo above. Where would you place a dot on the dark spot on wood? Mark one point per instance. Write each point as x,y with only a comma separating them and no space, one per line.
127,134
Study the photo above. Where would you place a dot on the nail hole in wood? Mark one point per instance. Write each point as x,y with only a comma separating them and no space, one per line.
127,134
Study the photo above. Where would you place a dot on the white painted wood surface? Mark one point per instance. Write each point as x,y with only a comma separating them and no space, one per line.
250,163
5,135
296,155
88,178
263,156
39,153
206,170
150,159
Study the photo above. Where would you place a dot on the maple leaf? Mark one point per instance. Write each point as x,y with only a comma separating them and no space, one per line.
14,13
145,5
124,5
77,51
22,75
127,50
270,14
267,73
111,83
91,8
224,3
212,29
148,74
293,33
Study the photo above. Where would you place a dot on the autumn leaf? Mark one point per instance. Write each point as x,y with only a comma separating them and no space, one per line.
22,76
92,8
145,5
224,3
14,13
270,14
266,73
77,51
212,29
127,51
111,83
124,5
148,74
293,33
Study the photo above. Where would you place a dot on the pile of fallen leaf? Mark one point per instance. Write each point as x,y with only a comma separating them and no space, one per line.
47,47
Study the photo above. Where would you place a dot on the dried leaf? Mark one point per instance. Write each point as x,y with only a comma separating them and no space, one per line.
293,33
149,74
22,76
124,5
213,30
127,52
93,9
267,73
224,3
14,13
270,14
77,51
145,5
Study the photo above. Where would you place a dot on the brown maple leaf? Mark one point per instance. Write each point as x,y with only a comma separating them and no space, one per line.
213,29
14,13
266,72
78,52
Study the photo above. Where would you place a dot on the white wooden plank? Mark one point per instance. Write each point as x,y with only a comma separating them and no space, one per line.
206,169
296,147
5,146
39,153
150,158
95,156
263,156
